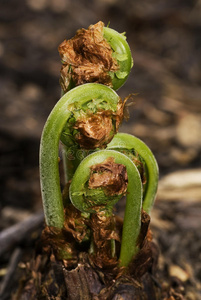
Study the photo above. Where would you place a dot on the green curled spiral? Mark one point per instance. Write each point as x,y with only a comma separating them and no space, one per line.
71,102
122,53
107,60
132,217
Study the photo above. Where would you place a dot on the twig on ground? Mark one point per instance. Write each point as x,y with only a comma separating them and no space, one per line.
15,258
16,233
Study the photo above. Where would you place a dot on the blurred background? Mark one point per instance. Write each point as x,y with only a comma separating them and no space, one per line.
165,40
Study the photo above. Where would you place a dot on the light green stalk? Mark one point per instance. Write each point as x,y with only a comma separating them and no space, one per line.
129,142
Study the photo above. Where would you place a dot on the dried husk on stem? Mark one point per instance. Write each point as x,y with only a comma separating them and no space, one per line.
85,276
97,130
87,57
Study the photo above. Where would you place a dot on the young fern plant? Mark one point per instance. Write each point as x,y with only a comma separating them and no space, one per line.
88,251
96,62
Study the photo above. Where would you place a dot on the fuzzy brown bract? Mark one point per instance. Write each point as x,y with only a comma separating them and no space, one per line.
97,130
110,176
87,57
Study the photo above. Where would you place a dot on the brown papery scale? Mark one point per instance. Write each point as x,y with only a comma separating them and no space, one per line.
87,57
97,130
110,176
